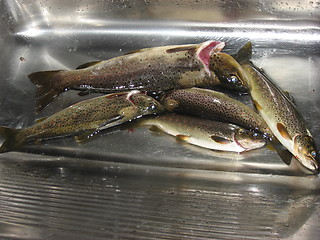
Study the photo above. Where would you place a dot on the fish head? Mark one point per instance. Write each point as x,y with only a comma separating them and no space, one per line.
145,104
305,151
248,139
229,72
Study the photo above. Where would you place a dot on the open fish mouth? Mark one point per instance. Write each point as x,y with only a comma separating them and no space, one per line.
308,162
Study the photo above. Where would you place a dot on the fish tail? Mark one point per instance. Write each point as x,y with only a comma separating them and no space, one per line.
10,139
46,90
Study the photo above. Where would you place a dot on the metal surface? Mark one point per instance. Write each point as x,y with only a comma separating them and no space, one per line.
133,184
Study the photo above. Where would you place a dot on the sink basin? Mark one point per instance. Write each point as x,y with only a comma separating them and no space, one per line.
130,183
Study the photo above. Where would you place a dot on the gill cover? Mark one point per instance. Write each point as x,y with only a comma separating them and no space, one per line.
249,139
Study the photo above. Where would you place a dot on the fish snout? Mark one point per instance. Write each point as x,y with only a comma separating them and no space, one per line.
151,106
305,152
156,107
249,140
144,103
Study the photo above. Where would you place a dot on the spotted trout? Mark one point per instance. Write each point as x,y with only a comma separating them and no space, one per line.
150,69
206,133
215,105
279,112
83,119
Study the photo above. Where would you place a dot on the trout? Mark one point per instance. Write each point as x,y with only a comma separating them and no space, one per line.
150,69
83,119
206,133
279,112
215,105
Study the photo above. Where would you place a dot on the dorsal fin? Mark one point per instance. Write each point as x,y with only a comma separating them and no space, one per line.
181,49
89,64
112,95
39,120
244,54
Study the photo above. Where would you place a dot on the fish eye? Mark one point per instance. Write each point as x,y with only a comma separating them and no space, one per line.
233,79
313,154
152,107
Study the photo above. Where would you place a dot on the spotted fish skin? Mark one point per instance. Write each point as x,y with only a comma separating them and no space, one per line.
279,112
211,104
150,69
207,133
85,117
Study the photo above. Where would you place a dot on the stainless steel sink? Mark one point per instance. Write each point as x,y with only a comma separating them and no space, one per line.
131,183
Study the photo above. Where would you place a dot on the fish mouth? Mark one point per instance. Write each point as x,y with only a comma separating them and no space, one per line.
313,165
316,170
305,152
308,162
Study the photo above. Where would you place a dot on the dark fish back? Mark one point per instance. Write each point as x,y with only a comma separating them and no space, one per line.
214,105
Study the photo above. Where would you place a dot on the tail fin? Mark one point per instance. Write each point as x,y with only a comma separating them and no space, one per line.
10,141
244,54
46,92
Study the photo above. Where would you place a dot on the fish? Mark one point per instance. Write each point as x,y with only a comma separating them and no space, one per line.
151,69
206,133
83,119
279,112
210,104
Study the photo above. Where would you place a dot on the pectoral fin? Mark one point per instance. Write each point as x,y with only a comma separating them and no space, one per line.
257,105
155,129
111,122
283,131
86,136
182,137
220,140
